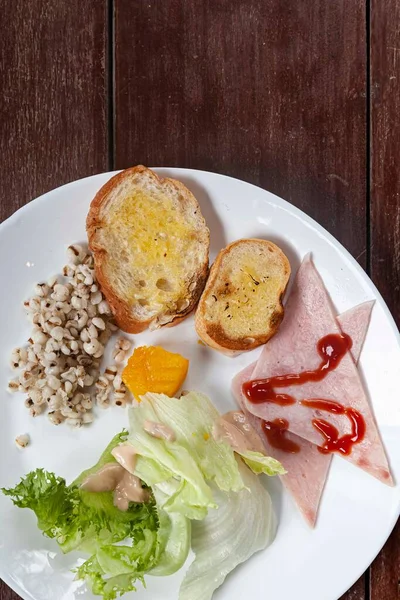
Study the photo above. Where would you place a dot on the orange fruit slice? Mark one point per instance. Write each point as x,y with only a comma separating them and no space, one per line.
153,369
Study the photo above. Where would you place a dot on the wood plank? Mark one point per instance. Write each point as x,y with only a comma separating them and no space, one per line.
6,593
385,216
385,570
357,591
53,105
271,92
385,148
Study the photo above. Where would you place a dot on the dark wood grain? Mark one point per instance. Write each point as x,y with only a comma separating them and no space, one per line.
53,105
53,96
385,150
385,570
385,216
270,92
358,591
6,593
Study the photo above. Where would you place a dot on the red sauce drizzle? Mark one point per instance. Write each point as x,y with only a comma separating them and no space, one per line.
331,349
333,441
275,432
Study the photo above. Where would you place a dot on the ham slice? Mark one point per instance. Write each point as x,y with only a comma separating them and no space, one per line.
355,322
309,317
307,470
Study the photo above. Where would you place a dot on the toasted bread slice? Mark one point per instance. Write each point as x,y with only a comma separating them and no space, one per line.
150,245
241,306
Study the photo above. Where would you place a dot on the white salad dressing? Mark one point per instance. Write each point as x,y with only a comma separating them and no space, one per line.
129,489
105,480
112,477
126,456
119,477
235,429
159,430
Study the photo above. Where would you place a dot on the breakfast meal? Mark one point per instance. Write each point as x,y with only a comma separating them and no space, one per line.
183,476
241,306
150,247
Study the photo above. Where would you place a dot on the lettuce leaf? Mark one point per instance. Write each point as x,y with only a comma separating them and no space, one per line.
192,418
154,541
48,496
243,524
259,463
173,540
113,570
185,468
182,469
170,465
193,477
87,521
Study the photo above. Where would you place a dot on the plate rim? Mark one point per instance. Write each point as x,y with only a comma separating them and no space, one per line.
299,213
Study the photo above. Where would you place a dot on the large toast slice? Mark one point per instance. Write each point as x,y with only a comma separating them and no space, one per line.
150,245
241,306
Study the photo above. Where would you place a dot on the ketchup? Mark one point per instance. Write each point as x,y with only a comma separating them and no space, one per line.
275,432
331,349
334,442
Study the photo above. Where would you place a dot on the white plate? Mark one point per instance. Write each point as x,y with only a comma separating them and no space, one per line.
357,512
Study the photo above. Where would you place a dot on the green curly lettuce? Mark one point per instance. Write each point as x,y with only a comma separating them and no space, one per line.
89,522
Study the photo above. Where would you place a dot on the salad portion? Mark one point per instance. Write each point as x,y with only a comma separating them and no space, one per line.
182,477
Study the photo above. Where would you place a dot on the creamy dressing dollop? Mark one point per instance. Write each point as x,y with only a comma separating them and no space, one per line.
118,477
235,429
159,430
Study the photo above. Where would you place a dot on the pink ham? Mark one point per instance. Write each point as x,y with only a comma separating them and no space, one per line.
308,469
309,317
355,322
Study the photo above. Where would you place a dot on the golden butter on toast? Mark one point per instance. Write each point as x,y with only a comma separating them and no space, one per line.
241,306
150,245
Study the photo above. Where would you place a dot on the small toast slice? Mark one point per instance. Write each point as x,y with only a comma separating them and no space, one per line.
241,306
150,245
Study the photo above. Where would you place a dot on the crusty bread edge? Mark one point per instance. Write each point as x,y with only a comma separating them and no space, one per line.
216,338
121,311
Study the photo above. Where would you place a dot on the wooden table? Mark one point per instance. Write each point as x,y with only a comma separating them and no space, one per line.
301,97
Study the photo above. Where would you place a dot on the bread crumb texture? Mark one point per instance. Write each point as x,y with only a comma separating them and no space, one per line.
155,246
241,306
246,298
